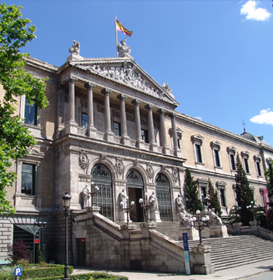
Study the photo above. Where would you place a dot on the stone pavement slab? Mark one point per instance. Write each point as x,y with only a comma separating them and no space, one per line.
239,272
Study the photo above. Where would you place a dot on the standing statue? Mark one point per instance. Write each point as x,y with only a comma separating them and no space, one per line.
214,218
153,202
75,49
86,192
178,202
123,49
122,199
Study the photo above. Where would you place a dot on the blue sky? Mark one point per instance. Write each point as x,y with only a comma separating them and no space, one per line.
215,55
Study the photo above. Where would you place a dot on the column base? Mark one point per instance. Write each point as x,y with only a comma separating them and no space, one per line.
125,140
140,144
167,150
71,127
109,136
92,132
154,147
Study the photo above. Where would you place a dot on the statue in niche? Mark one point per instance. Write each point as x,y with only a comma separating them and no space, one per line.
86,193
122,199
123,49
153,202
214,218
185,217
179,204
75,49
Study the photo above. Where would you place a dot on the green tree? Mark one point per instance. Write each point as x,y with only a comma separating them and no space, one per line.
213,200
15,139
269,178
191,193
244,195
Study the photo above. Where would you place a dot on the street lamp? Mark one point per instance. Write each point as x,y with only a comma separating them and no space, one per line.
145,206
200,222
66,205
94,191
129,208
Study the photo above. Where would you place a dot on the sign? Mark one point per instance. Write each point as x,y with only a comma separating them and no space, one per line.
186,254
36,241
18,271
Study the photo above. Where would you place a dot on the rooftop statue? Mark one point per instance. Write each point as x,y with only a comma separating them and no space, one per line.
123,49
75,49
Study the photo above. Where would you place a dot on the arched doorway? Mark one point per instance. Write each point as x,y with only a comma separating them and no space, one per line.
134,187
163,196
101,176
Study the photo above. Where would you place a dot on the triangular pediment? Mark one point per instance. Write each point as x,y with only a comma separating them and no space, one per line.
129,73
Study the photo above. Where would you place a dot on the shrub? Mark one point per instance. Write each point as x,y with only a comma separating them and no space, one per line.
18,251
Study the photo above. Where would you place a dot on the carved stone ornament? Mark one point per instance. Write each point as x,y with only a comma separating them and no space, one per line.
75,49
128,75
83,160
123,49
163,168
103,157
35,152
135,163
150,170
175,174
120,166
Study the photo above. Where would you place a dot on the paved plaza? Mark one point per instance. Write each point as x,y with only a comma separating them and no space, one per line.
241,272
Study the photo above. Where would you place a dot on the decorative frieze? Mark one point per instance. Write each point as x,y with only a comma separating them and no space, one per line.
120,166
83,160
150,170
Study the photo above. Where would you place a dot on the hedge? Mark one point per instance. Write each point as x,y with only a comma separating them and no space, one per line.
87,276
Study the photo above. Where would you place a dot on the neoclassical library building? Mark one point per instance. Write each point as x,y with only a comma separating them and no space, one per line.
110,124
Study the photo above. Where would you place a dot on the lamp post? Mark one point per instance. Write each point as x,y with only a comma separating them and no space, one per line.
66,205
94,191
145,206
200,222
128,209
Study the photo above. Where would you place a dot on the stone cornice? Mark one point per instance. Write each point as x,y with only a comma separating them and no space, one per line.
36,63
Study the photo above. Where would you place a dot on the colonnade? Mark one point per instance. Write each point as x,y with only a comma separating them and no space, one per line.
107,114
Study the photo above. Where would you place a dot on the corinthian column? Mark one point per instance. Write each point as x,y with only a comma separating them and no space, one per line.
125,139
90,110
173,115
151,128
163,139
109,135
139,140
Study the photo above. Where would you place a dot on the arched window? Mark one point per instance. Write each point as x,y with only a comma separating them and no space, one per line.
163,196
101,176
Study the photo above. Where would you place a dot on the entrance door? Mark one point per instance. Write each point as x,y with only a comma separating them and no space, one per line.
81,248
135,192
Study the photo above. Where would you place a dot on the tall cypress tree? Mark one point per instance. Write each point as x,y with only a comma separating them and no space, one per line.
213,200
244,195
269,177
191,193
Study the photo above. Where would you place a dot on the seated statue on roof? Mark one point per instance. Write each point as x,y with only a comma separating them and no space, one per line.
123,49
75,49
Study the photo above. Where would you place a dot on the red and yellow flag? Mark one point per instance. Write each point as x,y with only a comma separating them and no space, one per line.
121,28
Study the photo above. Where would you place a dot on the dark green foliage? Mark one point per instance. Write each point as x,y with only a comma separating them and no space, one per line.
193,202
213,201
269,177
244,195
40,255
15,139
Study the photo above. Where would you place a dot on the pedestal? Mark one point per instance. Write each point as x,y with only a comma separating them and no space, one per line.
237,229
218,231
92,132
155,217
71,128
202,260
254,227
122,216
193,233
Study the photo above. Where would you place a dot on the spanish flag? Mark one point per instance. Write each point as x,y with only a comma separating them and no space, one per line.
121,28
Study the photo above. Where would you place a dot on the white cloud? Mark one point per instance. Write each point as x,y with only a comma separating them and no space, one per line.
265,117
199,118
251,12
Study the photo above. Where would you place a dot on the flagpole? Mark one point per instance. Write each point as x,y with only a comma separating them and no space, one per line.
116,35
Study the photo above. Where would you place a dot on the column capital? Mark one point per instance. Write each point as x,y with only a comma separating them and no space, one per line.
106,91
136,101
122,96
161,111
72,79
89,85
149,106
173,115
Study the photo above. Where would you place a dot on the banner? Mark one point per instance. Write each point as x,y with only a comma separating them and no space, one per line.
266,205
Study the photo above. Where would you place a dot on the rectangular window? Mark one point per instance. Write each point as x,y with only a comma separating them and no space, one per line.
258,168
144,135
217,158
84,120
28,186
178,143
198,153
246,165
30,113
203,193
232,162
117,131
222,198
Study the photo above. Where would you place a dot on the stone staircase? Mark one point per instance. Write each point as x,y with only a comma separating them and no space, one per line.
237,250
171,229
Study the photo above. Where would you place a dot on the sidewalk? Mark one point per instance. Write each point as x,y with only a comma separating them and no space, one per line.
228,274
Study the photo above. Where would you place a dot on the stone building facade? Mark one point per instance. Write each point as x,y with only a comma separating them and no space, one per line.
108,122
